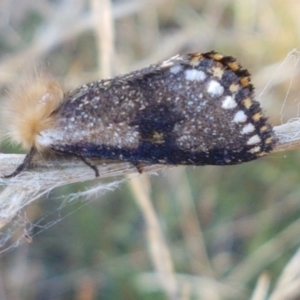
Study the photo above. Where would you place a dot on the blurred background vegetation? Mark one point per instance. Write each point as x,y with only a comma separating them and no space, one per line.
230,231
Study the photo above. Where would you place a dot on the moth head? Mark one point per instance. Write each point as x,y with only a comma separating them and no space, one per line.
30,108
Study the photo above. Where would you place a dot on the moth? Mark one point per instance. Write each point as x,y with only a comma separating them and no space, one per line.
192,109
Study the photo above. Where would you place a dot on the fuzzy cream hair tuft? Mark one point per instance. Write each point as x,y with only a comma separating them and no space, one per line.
30,108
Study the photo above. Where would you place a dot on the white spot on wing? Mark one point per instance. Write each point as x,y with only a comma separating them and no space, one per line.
194,75
255,139
228,103
248,128
176,69
255,149
240,117
214,88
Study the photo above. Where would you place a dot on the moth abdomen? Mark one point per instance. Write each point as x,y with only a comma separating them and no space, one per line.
193,109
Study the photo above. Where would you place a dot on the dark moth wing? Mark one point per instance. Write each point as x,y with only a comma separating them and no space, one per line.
194,109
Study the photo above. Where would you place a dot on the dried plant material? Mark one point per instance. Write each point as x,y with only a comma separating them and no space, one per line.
288,285
29,186
262,287
288,135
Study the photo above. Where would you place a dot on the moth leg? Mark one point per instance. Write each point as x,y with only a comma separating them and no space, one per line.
138,166
89,163
23,165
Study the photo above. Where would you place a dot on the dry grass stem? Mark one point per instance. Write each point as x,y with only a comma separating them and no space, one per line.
288,285
159,250
288,135
47,175
262,287
194,238
104,33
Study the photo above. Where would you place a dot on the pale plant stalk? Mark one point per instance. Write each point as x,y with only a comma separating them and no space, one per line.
288,285
192,232
262,287
104,33
47,175
159,251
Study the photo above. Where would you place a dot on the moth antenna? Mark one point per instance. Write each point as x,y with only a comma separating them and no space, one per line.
30,108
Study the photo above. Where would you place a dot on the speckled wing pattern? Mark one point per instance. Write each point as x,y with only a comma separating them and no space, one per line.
194,109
